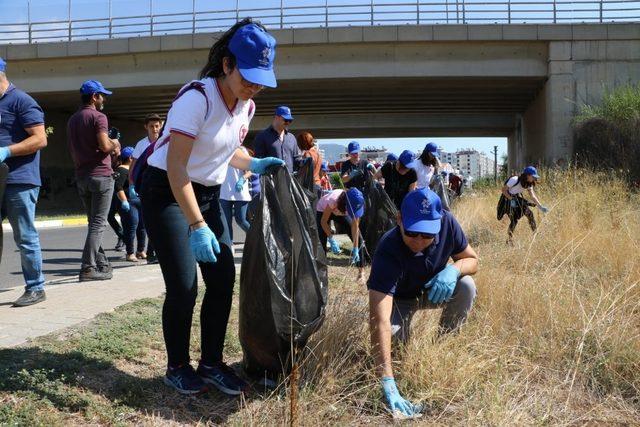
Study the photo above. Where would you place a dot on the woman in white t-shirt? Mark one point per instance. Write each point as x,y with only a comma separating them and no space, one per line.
235,197
207,122
426,165
518,205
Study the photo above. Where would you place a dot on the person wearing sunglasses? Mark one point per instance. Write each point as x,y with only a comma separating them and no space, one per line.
411,271
277,141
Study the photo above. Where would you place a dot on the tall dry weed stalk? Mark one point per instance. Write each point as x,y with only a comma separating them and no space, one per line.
554,337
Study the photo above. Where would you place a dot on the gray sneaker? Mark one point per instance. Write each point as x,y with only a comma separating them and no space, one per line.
30,298
91,273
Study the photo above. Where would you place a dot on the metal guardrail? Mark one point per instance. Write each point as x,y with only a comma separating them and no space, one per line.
325,14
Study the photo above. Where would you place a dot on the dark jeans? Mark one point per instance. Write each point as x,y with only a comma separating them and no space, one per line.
95,193
169,231
338,221
237,210
521,209
111,218
133,226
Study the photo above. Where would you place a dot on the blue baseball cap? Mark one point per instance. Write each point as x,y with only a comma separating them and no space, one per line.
255,51
355,203
93,86
284,112
325,166
391,157
432,148
3,65
353,147
421,211
530,170
126,152
406,158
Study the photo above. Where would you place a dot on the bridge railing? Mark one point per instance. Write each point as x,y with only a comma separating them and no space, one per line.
318,13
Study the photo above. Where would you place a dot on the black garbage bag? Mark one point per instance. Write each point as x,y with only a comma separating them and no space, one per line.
304,175
380,215
283,280
439,187
4,173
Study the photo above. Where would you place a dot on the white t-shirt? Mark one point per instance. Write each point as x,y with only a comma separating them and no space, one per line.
140,147
215,137
514,186
424,172
228,188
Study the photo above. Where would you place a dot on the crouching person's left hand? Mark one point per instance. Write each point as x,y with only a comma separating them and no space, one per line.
442,285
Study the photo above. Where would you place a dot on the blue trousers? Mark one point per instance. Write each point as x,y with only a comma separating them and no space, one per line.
237,209
133,227
19,206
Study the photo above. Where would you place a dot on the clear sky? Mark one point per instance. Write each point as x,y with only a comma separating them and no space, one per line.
397,145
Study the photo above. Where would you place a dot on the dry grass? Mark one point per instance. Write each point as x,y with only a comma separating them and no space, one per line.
554,338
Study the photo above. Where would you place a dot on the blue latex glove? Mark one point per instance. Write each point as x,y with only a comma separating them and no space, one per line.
125,206
371,167
355,173
204,244
397,404
355,256
5,153
260,166
132,192
443,284
240,184
335,247
513,203
544,209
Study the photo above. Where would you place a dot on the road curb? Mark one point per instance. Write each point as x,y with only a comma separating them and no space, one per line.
54,223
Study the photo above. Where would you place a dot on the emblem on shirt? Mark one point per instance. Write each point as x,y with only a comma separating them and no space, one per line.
266,53
425,207
244,130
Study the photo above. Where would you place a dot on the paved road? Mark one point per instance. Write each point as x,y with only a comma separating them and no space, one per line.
61,252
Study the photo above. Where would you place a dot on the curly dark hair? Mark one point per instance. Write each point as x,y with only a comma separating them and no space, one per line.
220,50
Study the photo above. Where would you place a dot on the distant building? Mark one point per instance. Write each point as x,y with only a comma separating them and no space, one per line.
470,162
374,154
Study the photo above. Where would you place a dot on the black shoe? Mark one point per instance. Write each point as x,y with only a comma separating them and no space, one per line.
223,378
185,380
90,273
120,245
30,298
152,259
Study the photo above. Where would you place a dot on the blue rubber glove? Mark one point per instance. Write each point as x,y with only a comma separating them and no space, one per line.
544,209
355,256
204,244
5,153
260,166
240,184
125,206
397,404
132,192
513,203
371,167
443,284
335,247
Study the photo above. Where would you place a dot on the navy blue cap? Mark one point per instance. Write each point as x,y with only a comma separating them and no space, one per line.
284,112
391,157
353,147
421,211
432,147
530,170
255,51
3,65
93,86
355,203
406,158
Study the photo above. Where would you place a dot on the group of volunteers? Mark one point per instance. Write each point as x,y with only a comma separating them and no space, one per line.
185,182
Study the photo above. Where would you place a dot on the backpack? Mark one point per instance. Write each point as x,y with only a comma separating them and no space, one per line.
142,162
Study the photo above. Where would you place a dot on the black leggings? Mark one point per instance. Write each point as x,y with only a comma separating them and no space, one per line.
168,228
522,209
340,222
111,217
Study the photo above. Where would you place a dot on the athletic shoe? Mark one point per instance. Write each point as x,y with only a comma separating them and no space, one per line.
185,380
223,378
91,273
120,245
152,259
30,298
132,258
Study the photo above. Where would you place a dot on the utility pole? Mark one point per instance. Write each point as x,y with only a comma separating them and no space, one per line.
495,164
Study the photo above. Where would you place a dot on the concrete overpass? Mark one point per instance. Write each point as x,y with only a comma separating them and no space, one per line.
523,82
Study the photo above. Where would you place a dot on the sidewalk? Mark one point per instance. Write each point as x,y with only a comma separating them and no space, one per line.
52,223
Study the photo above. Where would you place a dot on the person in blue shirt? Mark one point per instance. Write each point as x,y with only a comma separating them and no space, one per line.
411,271
277,141
22,136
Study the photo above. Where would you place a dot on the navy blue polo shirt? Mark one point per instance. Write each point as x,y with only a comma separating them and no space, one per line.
17,112
399,272
267,144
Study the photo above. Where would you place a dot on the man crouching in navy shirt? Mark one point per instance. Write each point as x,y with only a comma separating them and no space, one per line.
411,271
